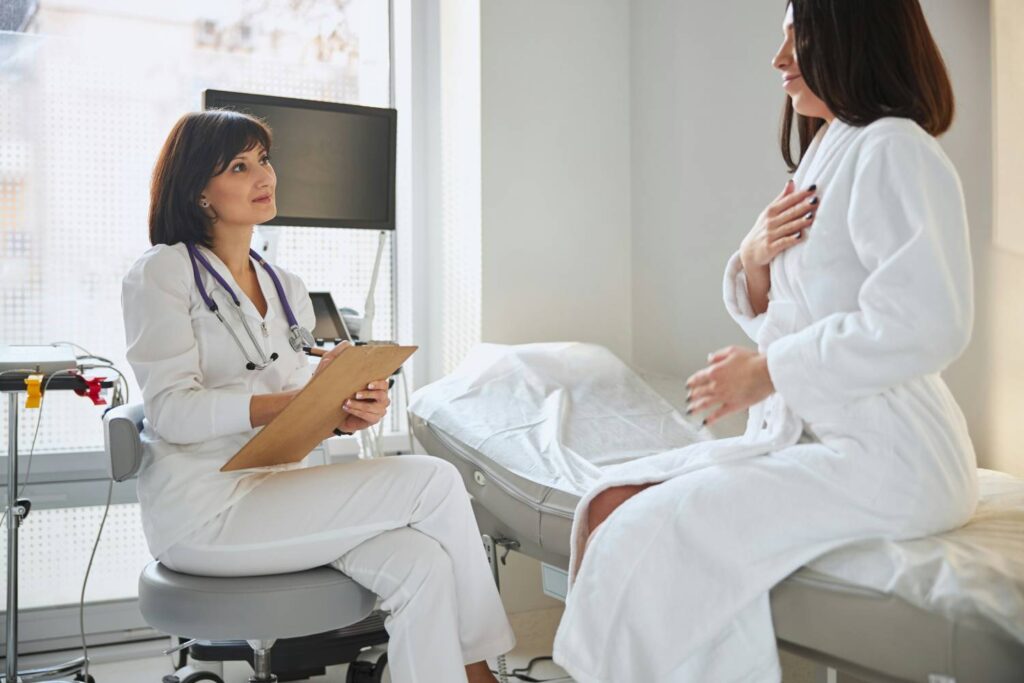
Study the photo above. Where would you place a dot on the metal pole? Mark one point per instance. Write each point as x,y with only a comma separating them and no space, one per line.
491,546
15,513
13,521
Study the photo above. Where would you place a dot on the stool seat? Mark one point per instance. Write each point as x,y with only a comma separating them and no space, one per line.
251,607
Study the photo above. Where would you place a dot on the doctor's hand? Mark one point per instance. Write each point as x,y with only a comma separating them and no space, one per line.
326,359
367,407
735,379
780,226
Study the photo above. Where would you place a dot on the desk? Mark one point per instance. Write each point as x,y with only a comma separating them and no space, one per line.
17,510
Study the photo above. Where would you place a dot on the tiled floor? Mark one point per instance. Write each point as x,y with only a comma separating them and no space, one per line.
143,663
152,669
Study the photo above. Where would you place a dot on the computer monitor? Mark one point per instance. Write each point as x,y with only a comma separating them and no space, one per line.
335,163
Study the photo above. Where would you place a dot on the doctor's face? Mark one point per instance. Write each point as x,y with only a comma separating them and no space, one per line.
244,194
805,102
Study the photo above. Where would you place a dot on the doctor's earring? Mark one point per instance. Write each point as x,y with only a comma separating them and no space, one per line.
203,203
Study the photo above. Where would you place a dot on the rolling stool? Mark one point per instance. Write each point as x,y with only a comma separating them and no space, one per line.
256,609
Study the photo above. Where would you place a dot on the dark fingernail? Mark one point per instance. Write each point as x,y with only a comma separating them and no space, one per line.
812,188
814,201
689,411
809,216
799,234
704,423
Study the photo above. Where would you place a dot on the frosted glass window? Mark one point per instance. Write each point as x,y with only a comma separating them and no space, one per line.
53,552
82,123
461,213
88,98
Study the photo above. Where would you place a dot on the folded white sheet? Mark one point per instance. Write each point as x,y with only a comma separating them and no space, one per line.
553,413
974,573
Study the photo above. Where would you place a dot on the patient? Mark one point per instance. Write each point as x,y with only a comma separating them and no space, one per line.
855,285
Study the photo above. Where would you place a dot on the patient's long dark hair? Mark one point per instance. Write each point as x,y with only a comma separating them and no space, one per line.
867,59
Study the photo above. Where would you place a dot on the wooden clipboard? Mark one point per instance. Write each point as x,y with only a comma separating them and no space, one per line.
316,411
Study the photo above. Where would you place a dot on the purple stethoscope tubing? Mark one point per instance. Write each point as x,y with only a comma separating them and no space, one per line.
298,336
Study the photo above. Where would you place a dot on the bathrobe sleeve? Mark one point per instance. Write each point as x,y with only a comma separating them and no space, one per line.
908,227
164,354
302,305
737,300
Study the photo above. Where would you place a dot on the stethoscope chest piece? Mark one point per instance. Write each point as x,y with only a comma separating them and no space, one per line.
299,337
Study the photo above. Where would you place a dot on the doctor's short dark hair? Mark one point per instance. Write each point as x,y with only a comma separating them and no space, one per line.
867,59
199,147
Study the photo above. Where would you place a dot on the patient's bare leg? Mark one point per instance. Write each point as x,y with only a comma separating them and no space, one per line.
606,502
480,672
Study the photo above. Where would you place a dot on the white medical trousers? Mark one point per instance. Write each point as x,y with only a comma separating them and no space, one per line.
401,526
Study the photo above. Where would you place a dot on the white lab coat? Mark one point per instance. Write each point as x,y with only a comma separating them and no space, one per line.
861,439
195,386
402,527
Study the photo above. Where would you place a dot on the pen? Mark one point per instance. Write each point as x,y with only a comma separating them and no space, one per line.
311,351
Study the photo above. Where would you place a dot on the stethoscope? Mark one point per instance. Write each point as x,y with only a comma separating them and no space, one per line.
299,337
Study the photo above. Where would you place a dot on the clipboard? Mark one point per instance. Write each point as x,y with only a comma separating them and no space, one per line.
315,411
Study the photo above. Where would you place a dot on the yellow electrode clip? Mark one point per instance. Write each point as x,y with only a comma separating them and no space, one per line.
33,384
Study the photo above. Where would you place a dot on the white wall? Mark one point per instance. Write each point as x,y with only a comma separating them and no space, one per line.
555,170
1002,374
555,188
705,107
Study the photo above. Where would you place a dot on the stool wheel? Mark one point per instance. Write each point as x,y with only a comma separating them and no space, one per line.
194,677
84,679
367,672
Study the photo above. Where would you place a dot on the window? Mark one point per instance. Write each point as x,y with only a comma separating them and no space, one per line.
83,121
89,93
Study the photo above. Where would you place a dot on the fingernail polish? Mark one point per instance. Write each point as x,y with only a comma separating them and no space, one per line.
812,188
704,423
813,201
689,411
800,234
809,216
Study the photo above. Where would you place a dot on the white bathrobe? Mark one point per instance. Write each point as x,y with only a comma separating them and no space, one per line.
861,439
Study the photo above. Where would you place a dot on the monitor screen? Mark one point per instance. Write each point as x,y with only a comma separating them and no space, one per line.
335,163
328,319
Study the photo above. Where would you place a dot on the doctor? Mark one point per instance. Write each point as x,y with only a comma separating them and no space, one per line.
215,339
855,284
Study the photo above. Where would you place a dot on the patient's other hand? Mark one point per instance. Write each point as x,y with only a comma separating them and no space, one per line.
735,379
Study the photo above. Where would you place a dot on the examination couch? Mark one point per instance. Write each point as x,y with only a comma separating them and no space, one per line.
946,609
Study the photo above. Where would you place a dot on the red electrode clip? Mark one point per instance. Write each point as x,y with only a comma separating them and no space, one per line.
94,385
